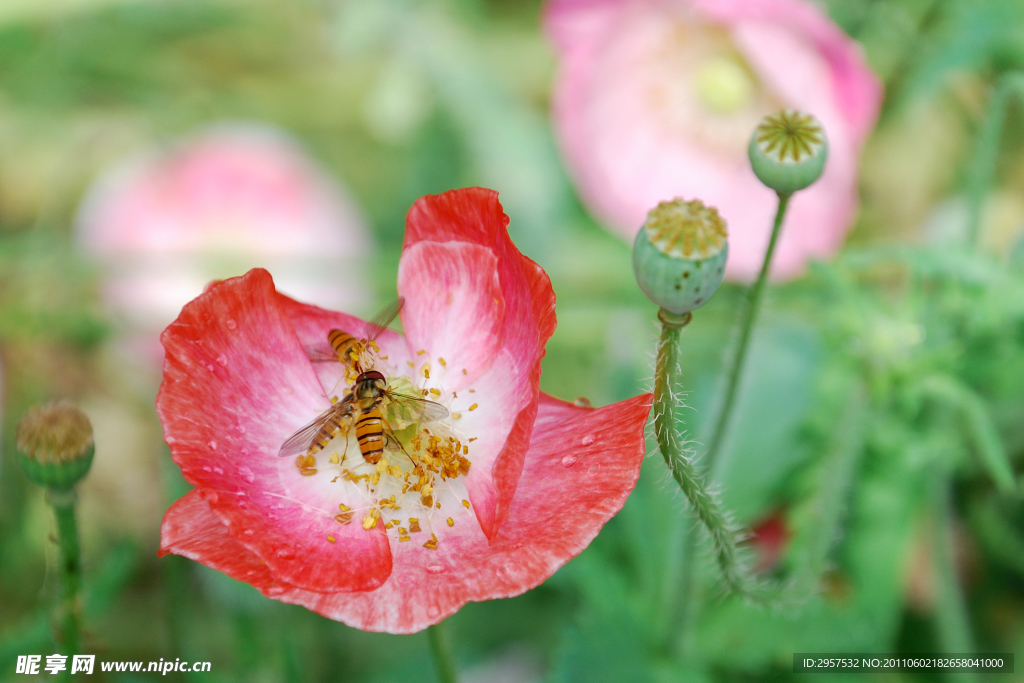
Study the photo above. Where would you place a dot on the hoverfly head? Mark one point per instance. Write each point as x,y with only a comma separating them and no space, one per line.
370,383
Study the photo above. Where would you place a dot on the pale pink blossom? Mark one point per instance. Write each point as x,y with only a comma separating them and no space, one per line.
166,222
657,98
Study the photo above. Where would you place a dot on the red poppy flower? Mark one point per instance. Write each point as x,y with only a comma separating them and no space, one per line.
486,503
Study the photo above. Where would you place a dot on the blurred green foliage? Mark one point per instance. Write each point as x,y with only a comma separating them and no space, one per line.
901,361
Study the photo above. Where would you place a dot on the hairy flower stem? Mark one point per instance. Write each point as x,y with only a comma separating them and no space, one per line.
444,662
953,626
986,154
680,463
66,615
734,369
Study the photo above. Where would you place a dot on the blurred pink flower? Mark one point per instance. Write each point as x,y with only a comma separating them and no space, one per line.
658,98
168,221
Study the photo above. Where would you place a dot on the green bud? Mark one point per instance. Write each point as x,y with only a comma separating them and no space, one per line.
788,150
679,255
55,445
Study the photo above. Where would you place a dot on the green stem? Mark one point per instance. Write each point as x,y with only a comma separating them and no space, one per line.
680,463
980,428
444,662
66,617
734,369
953,626
836,476
986,154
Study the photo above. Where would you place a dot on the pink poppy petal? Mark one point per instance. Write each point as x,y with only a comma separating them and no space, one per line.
192,530
236,384
471,221
456,307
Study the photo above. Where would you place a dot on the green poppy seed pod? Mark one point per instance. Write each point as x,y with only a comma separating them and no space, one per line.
788,150
679,255
55,445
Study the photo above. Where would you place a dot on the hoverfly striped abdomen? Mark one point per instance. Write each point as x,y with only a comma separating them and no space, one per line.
370,433
346,347
340,420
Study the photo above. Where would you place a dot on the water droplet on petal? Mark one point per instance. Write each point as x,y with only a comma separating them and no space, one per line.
433,612
594,469
244,451
405,579
249,532
210,367
218,470
222,360
570,460
434,569
285,554
170,440
207,468
212,444
240,428
275,590
587,440
246,474
231,323
212,497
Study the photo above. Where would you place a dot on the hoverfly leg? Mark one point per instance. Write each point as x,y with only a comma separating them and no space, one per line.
389,435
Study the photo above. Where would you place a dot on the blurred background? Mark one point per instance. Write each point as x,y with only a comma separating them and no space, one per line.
148,146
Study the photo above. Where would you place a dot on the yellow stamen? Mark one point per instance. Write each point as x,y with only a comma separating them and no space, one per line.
451,522
474,406
465,504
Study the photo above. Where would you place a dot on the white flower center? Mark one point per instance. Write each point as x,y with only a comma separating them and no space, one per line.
415,489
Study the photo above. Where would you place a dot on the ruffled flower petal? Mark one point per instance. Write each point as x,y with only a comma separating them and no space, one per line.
236,384
504,305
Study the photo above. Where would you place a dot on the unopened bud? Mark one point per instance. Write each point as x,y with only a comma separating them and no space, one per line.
55,445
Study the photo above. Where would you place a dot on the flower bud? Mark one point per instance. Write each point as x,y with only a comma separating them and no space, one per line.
679,255
55,445
788,150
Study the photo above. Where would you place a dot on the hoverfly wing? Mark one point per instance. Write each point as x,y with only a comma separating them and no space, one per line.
321,353
299,442
418,409
380,322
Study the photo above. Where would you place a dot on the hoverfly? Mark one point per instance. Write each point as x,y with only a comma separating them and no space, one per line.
350,350
363,406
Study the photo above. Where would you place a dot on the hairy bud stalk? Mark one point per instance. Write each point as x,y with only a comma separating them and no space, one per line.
684,470
55,450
